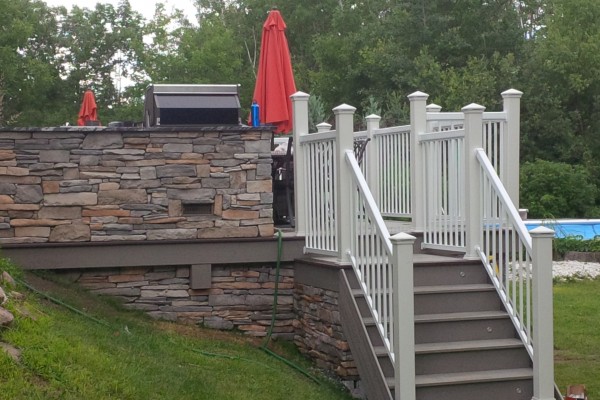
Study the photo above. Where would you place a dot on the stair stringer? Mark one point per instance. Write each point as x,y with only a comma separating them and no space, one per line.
371,374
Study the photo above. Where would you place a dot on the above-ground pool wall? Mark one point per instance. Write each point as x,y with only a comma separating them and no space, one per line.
129,184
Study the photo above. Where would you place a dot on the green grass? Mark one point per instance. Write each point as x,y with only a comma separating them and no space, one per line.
68,356
577,335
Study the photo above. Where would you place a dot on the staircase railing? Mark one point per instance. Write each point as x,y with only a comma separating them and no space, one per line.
520,267
371,254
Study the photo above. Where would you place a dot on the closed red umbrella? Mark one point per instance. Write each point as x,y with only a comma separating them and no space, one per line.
275,79
88,110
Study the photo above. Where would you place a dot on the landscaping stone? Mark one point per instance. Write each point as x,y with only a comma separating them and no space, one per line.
11,351
6,317
7,279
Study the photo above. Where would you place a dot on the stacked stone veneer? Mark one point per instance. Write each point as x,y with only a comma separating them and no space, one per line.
240,297
320,335
77,185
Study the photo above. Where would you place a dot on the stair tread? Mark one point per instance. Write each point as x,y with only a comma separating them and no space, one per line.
446,347
473,315
457,378
380,350
476,287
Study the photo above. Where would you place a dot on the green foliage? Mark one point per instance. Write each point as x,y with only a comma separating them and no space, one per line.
557,190
316,112
562,246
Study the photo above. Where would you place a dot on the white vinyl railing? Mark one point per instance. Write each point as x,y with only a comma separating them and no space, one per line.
391,151
519,264
370,254
443,156
506,249
457,198
320,199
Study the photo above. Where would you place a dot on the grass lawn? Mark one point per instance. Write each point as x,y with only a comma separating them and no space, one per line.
68,356
577,335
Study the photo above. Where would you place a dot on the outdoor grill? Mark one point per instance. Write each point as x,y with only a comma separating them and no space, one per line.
192,105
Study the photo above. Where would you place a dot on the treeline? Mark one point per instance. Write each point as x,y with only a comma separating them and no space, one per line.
370,54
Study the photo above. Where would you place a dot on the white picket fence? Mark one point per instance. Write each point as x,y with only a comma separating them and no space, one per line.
455,175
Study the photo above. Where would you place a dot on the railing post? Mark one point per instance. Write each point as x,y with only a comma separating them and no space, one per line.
473,140
323,127
418,125
300,128
372,158
404,320
542,307
509,163
433,108
344,127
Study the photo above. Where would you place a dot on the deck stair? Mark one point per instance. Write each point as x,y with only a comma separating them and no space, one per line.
466,346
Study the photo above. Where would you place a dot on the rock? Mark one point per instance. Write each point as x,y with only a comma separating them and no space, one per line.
12,352
6,317
191,194
102,140
71,233
3,296
71,199
54,156
16,295
29,194
123,196
60,213
6,278
170,171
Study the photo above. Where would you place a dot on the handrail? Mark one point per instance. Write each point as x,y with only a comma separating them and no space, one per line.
443,135
392,129
371,255
317,137
506,250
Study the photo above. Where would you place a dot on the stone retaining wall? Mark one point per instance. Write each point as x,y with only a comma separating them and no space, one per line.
320,335
103,184
240,297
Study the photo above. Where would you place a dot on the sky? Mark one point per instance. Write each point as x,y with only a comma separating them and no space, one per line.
145,7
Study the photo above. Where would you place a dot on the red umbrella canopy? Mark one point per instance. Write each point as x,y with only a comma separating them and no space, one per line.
275,79
87,112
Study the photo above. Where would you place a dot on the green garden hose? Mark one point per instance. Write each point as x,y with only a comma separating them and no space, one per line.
265,343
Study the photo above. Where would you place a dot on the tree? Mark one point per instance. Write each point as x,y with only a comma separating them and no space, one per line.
557,190
30,80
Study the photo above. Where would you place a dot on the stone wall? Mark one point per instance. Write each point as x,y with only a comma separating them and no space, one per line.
240,297
320,335
103,184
